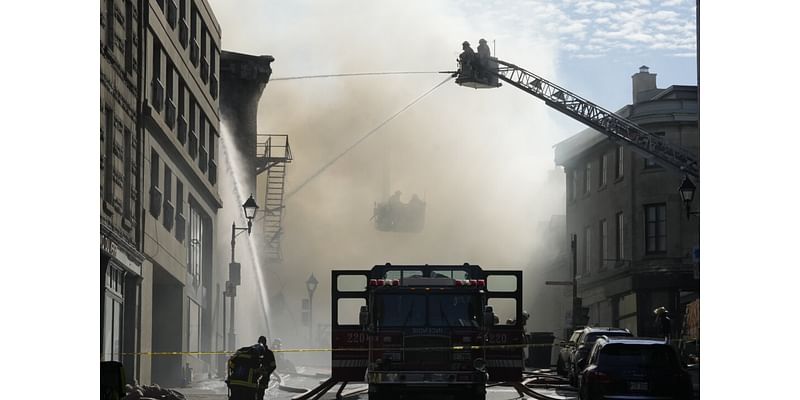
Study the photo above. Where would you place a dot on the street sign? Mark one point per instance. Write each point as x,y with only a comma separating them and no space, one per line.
235,273
558,283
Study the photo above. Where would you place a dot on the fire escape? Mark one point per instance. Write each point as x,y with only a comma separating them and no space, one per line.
272,155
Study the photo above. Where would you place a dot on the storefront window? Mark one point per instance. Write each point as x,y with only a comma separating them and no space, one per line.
112,318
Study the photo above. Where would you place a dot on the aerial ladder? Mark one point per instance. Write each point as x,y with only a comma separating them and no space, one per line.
612,125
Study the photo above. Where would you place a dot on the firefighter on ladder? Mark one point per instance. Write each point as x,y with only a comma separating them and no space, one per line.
249,370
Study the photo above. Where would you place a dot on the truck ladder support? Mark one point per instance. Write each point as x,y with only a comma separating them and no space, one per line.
612,125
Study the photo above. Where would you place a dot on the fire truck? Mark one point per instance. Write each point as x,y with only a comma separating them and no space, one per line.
406,329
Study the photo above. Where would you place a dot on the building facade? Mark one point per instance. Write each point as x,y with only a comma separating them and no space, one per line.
634,240
181,125
120,185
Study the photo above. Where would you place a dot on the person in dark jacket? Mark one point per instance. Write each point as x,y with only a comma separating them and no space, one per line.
249,370
663,323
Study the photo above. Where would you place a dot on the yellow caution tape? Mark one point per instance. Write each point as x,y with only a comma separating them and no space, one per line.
320,350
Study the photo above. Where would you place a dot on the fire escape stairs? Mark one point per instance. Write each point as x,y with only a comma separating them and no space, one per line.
273,155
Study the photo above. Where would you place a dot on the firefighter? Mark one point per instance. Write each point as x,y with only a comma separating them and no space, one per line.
249,370
663,323
467,58
483,58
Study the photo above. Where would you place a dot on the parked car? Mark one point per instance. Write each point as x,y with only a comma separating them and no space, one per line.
622,367
583,347
565,354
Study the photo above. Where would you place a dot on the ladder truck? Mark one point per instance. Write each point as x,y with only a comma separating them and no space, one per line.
615,127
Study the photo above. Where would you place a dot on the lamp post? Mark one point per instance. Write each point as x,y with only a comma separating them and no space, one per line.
311,286
234,272
687,191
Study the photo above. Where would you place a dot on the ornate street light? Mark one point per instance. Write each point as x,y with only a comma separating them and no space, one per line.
250,207
687,191
234,270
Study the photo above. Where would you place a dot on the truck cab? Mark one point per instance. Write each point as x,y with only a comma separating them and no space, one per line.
428,329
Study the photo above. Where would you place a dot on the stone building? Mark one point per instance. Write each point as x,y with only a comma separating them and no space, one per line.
120,187
635,242
181,124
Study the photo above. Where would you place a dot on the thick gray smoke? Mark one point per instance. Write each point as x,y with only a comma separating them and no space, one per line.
480,158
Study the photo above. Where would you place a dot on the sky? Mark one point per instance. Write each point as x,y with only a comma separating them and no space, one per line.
481,159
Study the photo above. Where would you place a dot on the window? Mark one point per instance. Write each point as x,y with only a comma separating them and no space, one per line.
129,36
196,242
128,161
620,162
182,123
203,161
587,247
587,178
158,88
212,164
155,192
620,237
192,131
656,228
170,114
573,185
180,220
203,51
110,24
108,158
603,170
603,243
112,314
168,207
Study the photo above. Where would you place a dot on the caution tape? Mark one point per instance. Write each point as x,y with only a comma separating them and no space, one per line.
323,350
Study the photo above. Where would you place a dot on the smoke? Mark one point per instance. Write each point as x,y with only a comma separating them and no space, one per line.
480,158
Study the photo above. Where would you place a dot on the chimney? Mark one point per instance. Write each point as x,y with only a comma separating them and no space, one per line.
643,81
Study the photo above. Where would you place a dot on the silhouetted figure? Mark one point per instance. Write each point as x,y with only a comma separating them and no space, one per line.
483,58
467,58
663,323
249,370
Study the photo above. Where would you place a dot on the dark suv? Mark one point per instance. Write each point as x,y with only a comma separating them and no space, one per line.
565,354
628,368
584,346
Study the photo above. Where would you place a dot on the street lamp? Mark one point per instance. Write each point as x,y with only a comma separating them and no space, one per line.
311,285
687,191
234,268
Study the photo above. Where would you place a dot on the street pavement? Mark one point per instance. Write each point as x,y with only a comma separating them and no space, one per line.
308,379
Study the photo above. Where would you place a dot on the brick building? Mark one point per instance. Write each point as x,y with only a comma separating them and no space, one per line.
635,242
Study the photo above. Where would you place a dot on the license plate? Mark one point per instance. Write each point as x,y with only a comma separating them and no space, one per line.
639,386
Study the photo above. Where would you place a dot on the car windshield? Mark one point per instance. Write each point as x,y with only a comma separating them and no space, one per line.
592,336
637,356
404,310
